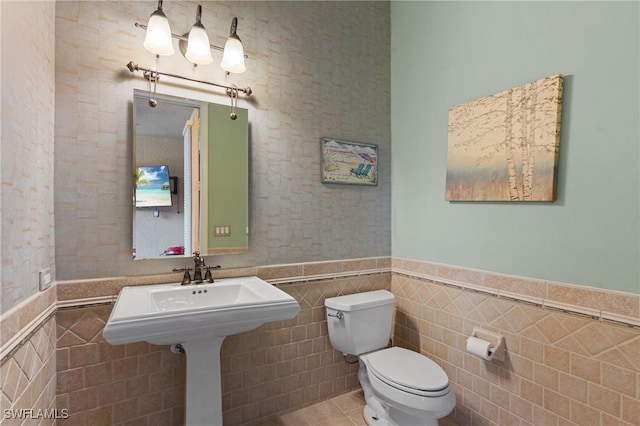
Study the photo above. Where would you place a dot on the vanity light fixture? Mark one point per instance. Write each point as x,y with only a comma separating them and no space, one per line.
159,40
159,37
233,55
198,47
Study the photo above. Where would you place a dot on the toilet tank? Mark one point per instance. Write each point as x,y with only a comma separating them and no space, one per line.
361,322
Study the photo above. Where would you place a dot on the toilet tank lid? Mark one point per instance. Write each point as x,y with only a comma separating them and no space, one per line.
357,301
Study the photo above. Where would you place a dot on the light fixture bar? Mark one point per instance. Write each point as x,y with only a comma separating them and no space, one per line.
151,72
185,38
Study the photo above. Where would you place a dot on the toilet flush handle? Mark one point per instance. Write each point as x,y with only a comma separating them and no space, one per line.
338,315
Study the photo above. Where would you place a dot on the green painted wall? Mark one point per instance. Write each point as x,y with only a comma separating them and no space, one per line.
447,53
228,178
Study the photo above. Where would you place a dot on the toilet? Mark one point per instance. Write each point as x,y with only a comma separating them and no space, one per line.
401,387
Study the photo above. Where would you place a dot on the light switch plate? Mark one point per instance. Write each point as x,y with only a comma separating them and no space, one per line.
222,231
44,277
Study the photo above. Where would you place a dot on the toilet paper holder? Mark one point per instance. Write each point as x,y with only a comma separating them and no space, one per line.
496,339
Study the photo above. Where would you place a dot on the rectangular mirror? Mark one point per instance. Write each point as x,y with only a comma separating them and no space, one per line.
190,178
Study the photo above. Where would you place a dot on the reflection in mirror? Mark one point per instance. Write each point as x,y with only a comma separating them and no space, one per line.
225,174
190,178
162,139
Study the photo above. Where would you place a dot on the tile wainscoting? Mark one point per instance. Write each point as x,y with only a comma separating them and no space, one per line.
28,379
573,352
101,384
28,362
274,369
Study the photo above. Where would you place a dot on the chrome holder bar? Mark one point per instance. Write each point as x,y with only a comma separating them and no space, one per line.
149,73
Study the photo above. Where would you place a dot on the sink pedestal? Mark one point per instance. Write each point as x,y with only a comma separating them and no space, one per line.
204,389
198,317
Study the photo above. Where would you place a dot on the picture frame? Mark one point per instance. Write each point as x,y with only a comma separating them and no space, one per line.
348,162
153,186
504,147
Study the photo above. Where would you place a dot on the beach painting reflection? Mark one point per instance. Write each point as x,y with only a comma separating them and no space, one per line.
152,186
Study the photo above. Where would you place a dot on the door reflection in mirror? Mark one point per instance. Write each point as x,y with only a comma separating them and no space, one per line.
159,139
225,168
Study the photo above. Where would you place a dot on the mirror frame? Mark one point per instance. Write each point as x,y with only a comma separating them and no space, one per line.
206,236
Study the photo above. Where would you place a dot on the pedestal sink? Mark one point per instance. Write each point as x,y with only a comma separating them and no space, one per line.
198,317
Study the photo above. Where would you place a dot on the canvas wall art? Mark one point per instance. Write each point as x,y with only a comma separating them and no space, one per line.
504,147
349,162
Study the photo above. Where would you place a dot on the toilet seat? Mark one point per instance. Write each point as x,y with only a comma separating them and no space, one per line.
408,371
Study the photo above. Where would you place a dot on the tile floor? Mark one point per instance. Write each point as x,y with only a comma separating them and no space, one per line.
343,410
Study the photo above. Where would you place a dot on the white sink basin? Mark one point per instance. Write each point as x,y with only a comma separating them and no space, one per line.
198,317
172,313
175,299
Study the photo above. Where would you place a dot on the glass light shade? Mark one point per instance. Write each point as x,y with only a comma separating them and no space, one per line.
158,39
198,48
233,56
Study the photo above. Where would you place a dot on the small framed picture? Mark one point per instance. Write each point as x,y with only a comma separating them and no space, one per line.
345,162
153,187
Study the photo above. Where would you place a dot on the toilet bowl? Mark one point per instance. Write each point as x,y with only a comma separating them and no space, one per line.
401,387
412,385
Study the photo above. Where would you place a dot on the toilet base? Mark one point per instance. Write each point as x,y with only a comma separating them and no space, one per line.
372,419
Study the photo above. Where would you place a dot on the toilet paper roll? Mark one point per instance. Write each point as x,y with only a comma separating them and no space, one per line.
481,348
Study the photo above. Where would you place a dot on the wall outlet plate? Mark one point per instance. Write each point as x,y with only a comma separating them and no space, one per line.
44,277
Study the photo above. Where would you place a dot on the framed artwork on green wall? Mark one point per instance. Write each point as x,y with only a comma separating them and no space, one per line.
504,147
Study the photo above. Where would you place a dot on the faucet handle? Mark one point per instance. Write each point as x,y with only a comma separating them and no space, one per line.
207,275
186,278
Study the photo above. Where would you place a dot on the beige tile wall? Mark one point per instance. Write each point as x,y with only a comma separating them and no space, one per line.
561,368
27,364
573,352
274,369
27,379
100,384
605,305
